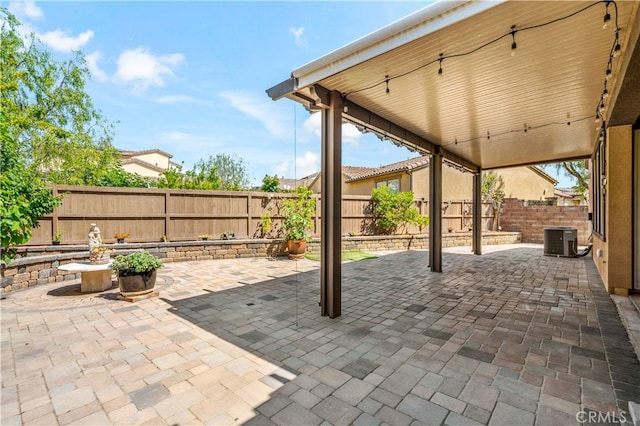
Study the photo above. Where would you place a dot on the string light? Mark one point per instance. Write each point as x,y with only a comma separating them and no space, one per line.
599,115
616,49
607,17
529,129
495,40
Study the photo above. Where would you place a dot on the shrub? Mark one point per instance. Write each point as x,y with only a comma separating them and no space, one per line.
392,210
298,215
140,261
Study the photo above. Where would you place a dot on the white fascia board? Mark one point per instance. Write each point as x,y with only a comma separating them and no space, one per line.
423,22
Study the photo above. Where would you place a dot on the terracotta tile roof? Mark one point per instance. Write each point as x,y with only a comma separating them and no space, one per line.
400,166
565,192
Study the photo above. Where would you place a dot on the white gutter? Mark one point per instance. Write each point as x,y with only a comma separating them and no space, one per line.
430,19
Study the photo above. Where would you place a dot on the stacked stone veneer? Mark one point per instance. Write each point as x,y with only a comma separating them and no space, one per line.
531,217
39,265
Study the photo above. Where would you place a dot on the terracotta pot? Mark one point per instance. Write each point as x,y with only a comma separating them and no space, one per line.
296,249
133,283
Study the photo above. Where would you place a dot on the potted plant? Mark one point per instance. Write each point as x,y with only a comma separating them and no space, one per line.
137,272
298,219
57,238
204,237
120,236
227,235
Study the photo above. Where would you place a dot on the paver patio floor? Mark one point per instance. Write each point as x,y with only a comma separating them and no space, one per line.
507,338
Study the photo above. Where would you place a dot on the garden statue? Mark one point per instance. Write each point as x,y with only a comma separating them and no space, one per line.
97,253
95,240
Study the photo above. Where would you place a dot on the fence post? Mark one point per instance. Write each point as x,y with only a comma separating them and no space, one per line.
167,214
249,214
54,217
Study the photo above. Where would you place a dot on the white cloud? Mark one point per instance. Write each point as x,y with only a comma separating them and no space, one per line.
308,164
92,64
178,99
305,166
143,69
26,9
297,36
350,134
62,41
262,110
312,126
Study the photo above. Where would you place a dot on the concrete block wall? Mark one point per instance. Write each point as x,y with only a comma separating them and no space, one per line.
530,218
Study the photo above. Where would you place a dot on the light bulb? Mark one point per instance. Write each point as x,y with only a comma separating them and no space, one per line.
607,20
513,48
605,94
616,50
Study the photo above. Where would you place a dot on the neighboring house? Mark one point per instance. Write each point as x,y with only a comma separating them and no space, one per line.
148,163
528,182
569,197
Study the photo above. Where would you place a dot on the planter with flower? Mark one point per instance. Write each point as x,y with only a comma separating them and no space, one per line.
298,220
137,272
120,236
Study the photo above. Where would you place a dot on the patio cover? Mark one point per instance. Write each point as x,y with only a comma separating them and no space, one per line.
520,82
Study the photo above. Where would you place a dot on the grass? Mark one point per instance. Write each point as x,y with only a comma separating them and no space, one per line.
345,255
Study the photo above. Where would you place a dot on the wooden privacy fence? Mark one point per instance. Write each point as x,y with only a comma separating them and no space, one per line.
148,214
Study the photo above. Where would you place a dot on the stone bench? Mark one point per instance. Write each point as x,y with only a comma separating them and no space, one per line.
93,277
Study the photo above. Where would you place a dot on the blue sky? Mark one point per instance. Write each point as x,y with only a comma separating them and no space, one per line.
189,77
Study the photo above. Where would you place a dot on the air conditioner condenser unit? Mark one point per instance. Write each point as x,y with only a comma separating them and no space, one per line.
560,241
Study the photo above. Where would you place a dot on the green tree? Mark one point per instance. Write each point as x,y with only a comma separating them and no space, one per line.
204,175
579,171
392,210
49,115
492,189
270,183
172,178
232,171
24,198
118,177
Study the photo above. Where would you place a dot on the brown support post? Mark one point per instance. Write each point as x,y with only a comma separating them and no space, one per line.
330,246
477,213
435,212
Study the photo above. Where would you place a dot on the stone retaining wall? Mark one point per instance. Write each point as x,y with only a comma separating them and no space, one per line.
37,265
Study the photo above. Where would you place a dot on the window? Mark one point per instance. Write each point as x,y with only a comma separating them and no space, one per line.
393,184
599,188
